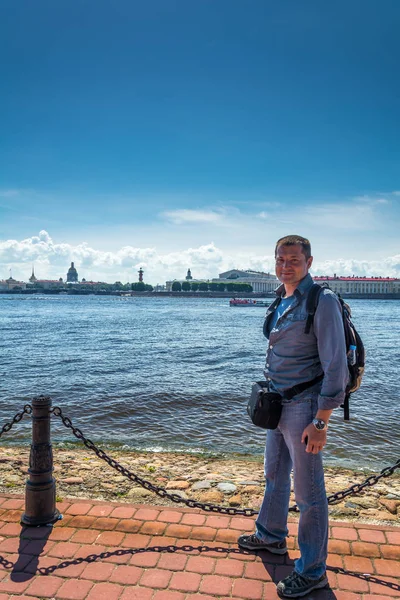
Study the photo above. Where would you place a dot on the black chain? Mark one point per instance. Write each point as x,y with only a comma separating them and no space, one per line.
26,411
248,512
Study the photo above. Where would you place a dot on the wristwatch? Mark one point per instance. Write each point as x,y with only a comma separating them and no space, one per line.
319,424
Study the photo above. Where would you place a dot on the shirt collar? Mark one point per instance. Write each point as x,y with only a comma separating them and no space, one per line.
304,285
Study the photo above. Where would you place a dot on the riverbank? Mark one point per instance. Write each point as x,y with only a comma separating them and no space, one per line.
228,481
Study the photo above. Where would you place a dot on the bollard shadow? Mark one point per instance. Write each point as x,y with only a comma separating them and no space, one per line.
32,541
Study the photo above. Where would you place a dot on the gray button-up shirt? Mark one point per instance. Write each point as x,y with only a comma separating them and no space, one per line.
295,357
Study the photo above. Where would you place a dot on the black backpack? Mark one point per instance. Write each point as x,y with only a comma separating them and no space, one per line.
355,355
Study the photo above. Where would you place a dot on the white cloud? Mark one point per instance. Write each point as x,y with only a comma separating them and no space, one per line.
9,193
182,216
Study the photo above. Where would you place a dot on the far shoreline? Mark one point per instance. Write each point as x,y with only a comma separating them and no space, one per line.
133,294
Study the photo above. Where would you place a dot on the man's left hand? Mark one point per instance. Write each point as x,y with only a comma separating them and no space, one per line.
316,440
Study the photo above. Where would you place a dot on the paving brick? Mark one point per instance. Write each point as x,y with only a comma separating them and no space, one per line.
243,524
64,550
169,516
391,552
93,549
343,595
344,533
11,516
185,582
372,535
78,509
365,549
10,529
126,574
155,578
44,587
270,592
145,559
352,584
230,568
334,560
358,564
173,561
137,593
393,537
339,547
15,545
374,597
153,528
385,588
123,512
61,534
105,591
16,585
200,564
101,510
135,540
259,571
110,538
191,519
387,567
13,504
74,589
85,536
81,521
168,595
229,536
249,589
98,571
119,556
129,525
105,523
218,522
178,531
147,514
68,571
216,584
203,533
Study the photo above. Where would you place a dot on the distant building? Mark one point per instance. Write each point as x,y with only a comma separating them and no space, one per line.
188,275
168,284
11,284
72,275
360,285
259,281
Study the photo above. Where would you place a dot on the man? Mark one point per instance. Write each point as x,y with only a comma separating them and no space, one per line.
294,357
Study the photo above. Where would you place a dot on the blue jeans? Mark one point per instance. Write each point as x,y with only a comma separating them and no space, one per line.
283,451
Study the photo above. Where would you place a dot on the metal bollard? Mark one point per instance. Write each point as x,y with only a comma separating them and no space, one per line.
40,491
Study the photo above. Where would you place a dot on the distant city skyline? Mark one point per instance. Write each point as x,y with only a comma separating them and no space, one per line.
52,261
194,134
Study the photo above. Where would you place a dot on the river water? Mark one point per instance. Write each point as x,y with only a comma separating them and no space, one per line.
175,374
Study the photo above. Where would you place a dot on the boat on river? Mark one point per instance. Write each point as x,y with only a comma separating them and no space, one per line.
247,302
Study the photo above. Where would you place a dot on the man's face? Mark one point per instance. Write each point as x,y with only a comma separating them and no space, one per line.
291,266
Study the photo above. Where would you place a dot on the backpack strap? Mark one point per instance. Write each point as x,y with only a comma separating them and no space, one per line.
271,309
300,387
311,305
346,407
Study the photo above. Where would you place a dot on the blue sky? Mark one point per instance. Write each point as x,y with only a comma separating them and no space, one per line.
172,134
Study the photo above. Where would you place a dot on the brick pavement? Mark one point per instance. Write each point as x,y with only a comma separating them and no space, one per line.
116,551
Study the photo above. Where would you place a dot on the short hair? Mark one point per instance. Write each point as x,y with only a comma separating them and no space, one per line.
293,240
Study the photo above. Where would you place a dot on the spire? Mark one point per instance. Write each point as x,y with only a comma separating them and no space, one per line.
32,278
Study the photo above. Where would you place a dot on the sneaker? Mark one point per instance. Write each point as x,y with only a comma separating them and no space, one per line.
296,585
252,542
